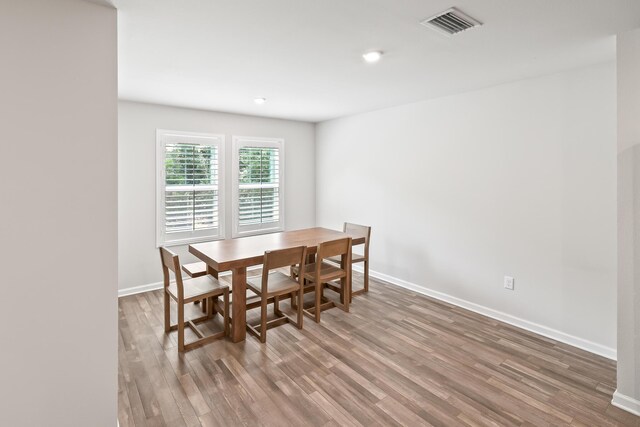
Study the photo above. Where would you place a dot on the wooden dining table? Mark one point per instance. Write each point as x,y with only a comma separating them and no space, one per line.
238,254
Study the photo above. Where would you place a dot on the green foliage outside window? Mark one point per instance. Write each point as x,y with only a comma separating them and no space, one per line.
258,165
187,164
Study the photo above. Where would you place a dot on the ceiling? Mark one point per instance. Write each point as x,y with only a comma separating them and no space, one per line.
305,56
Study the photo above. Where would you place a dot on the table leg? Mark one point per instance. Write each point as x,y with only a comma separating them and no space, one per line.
214,273
239,305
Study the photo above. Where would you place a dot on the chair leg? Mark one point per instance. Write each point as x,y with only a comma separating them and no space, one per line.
346,290
300,307
350,288
294,305
319,288
167,313
263,318
226,313
204,306
180,326
366,275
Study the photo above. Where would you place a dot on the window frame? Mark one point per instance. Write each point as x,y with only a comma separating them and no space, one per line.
164,136
250,141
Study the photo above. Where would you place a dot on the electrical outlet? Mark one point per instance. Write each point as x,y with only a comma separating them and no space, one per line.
509,282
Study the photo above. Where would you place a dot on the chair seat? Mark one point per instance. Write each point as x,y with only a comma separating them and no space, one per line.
195,269
198,288
277,284
328,272
354,258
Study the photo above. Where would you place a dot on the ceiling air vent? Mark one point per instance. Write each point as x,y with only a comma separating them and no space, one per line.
451,22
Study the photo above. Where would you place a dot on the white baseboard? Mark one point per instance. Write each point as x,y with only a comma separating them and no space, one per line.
601,350
139,289
626,403
158,285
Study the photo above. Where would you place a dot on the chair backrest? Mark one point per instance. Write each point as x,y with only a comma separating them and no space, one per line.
170,261
332,248
359,231
283,258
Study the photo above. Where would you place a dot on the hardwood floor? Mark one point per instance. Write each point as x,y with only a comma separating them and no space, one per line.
398,358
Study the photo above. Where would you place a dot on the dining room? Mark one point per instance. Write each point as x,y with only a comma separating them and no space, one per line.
218,327
336,213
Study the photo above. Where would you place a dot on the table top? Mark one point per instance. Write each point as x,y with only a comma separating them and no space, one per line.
223,255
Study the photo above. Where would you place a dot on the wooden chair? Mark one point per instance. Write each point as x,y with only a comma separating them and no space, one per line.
197,269
187,291
274,285
359,231
321,273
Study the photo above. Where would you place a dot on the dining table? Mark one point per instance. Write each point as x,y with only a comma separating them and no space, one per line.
236,255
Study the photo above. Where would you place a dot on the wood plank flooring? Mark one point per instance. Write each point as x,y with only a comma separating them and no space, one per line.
398,358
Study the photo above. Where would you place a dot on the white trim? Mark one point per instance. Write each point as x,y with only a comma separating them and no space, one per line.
626,403
190,241
243,141
590,346
139,289
217,140
158,285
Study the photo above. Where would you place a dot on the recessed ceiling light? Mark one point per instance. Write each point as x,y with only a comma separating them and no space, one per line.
373,56
260,101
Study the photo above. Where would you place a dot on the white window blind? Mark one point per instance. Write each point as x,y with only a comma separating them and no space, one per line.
258,185
190,187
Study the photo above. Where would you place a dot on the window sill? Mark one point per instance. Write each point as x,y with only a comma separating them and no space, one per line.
184,242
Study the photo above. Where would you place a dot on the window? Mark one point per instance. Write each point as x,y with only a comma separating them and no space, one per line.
258,179
190,187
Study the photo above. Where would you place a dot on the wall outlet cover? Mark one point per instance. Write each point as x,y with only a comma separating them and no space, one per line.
509,282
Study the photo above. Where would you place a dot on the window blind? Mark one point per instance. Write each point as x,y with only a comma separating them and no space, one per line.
191,187
259,186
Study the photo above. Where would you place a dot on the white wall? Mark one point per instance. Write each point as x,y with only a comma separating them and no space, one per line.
518,180
138,256
628,392
58,221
